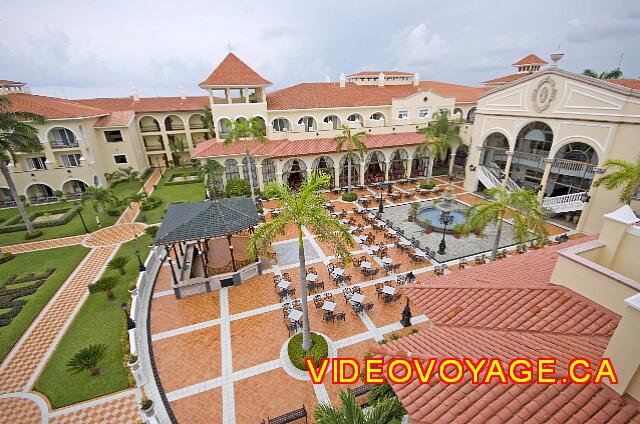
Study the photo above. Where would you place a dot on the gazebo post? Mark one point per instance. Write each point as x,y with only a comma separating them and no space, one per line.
180,246
233,260
176,290
175,252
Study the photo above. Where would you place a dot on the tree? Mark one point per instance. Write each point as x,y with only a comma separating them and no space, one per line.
209,172
105,284
304,208
100,197
138,197
129,174
237,188
625,175
17,134
439,136
523,207
119,262
177,147
351,142
207,120
244,129
87,359
613,74
350,412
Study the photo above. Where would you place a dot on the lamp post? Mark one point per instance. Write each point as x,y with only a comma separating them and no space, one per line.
130,323
381,201
141,266
79,209
446,218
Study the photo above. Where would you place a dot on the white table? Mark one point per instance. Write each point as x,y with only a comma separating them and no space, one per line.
374,248
392,231
362,239
386,260
329,306
357,298
381,223
312,277
344,221
421,254
389,290
338,271
370,215
405,242
295,315
365,265
283,284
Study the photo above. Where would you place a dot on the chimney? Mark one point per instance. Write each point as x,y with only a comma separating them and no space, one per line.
342,80
416,79
182,95
134,94
327,78
380,79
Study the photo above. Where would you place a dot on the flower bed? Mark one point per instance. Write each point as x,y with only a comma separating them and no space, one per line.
319,350
16,224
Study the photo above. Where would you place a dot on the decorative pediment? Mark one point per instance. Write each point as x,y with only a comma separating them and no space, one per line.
513,99
583,97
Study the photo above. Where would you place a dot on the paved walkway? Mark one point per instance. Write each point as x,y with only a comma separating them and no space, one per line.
22,366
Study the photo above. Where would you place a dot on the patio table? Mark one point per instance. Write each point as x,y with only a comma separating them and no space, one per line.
389,290
284,284
312,277
405,242
386,260
295,315
373,249
357,298
338,271
392,231
421,254
365,265
329,306
344,221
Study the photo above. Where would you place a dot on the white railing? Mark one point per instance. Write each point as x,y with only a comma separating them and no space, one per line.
487,177
565,203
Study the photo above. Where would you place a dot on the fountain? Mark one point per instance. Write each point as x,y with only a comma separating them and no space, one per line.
447,205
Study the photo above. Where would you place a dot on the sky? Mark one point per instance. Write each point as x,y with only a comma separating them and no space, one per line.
80,49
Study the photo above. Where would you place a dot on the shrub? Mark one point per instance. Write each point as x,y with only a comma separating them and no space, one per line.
413,331
150,203
152,231
425,186
105,284
119,262
58,193
22,198
87,359
32,235
394,336
319,350
16,224
383,342
349,197
6,257
237,188
114,210
145,403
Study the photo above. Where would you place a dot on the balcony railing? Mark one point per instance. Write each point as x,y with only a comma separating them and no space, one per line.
64,145
197,126
149,128
153,147
175,127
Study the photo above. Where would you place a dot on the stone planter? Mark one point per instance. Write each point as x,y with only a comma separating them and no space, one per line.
149,412
136,370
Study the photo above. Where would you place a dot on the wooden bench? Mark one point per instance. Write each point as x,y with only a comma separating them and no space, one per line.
359,391
290,416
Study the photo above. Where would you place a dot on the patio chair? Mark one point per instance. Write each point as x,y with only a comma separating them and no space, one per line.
462,263
328,296
286,276
356,289
340,316
319,285
331,267
368,306
401,280
296,303
396,297
328,316
292,327
291,292
357,308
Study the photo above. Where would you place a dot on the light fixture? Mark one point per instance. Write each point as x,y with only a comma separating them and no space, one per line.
472,168
585,197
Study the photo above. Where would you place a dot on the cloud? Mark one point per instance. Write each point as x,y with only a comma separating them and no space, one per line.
418,46
603,28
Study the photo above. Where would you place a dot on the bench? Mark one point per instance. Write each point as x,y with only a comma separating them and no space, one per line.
290,416
359,391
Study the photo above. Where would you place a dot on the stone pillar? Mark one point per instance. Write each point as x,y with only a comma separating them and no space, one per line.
361,176
259,176
336,176
279,177
387,165
507,168
410,167
452,157
545,178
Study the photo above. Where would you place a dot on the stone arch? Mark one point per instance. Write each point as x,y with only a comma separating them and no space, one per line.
398,161
231,170
148,123
344,170
39,190
333,121
294,172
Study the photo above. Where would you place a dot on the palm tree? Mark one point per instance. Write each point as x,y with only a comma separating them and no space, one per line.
129,174
17,134
351,142
623,174
302,208
523,207
350,412
613,74
119,263
177,147
105,284
87,359
207,120
244,129
100,197
439,136
209,172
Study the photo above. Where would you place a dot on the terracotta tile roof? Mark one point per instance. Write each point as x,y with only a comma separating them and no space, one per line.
329,95
148,104
233,71
9,83
51,107
291,148
629,83
376,73
509,309
531,59
507,78
115,119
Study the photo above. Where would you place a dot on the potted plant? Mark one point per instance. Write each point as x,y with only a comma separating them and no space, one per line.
413,211
428,226
133,287
146,405
457,230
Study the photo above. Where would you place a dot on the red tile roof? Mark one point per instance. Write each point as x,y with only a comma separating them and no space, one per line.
329,95
51,107
629,83
506,78
376,73
9,83
509,309
120,118
531,59
233,71
148,104
291,148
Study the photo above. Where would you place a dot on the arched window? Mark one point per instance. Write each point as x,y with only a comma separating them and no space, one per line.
375,167
173,123
344,170
356,117
294,172
494,151
224,126
62,137
325,165
245,171
308,123
471,115
268,170
398,166
149,124
377,116
196,122
333,121
281,124
232,172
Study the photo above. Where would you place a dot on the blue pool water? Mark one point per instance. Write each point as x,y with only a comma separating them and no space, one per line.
434,215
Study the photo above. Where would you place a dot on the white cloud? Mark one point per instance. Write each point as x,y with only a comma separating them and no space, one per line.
418,46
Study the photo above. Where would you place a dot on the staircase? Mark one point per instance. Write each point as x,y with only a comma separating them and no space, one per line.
566,203
491,177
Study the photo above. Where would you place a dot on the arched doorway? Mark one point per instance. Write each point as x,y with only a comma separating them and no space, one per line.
420,162
398,165
531,151
325,164
245,171
572,169
268,171
39,192
231,170
294,172
494,152
374,167
471,115
344,170
6,200
73,189
460,161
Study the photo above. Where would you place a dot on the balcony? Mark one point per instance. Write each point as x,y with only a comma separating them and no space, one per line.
65,144
153,147
149,128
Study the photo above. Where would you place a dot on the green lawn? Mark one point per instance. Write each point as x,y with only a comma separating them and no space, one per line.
74,226
193,192
63,259
98,321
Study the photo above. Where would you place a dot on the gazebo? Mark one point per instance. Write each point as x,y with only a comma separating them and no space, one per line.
208,241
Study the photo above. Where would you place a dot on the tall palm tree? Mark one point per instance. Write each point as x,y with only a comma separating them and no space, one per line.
523,207
350,412
623,174
613,74
245,129
176,145
439,136
351,142
100,197
209,172
207,120
17,134
303,208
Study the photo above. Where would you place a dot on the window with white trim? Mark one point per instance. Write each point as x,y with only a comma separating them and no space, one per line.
403,114
63,136
423,112
120,159
113,136
280,124
37,163
70,160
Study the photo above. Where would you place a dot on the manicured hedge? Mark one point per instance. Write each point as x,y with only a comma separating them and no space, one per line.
319,350
349,197
151,203
175,183
16,225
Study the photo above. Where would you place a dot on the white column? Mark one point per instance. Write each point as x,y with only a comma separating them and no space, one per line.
545,178
452,157
507,168
260,176
387,165
361,176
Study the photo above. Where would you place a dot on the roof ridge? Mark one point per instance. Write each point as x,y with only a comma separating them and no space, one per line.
520,331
